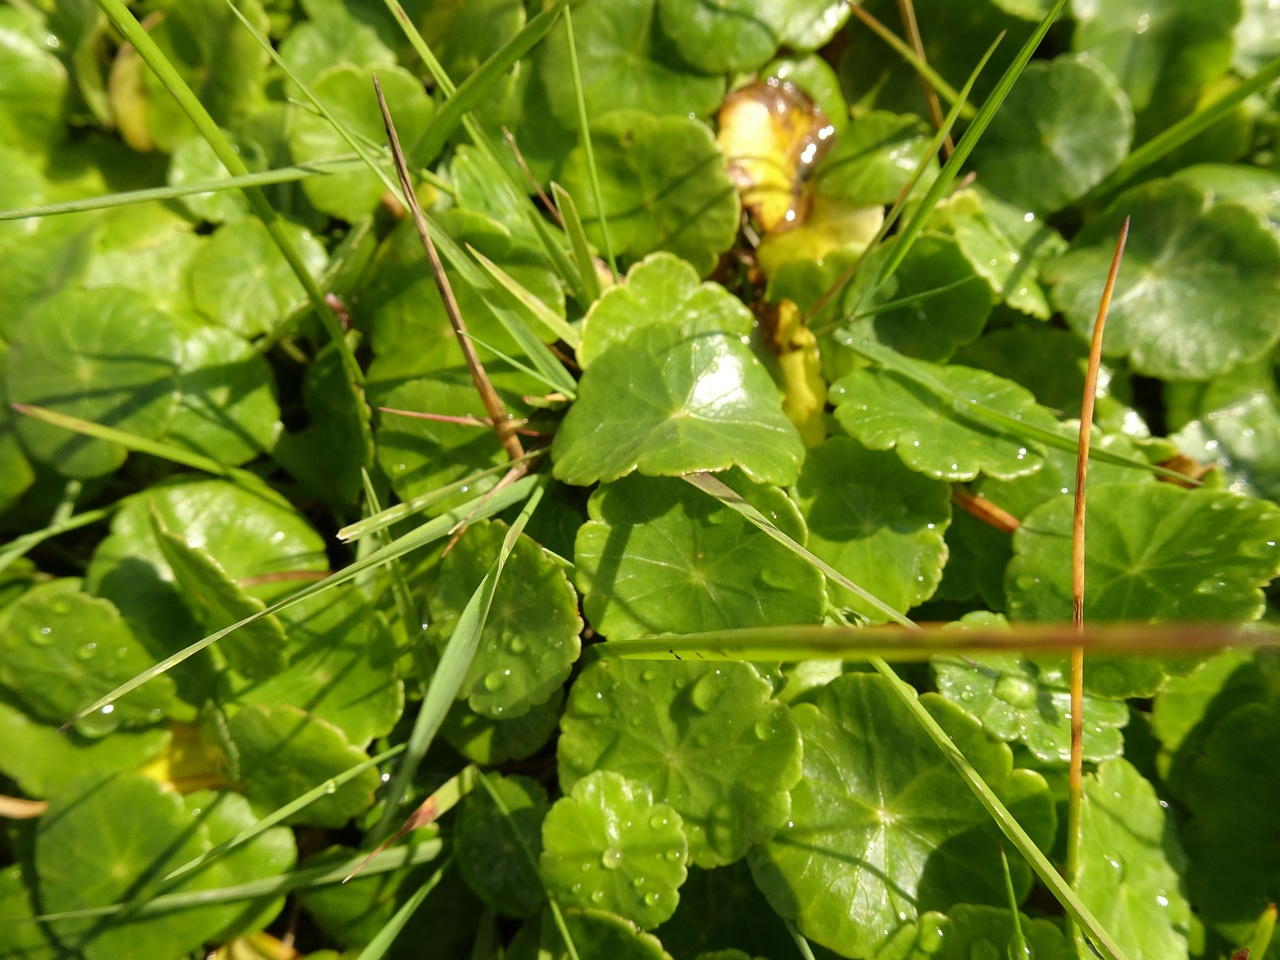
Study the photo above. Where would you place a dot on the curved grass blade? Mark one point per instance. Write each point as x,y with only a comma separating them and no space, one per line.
1019,941
547,377
403,596
950,170
572,221
138,444
402,511
18,546
134,33
1048,874
479,507
1175,136
377,948
716,488
918,373
522,296
584,136
465,98
854,644
306,878
431,809
445,683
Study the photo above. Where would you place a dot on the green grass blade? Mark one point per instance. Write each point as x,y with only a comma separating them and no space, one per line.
578,240
1045,870
935,79
307,878
544,373
1019,941
815,642
465,98
905,366
1175,136
400,591
377,948
402,511
555,323
478,508
18,546
898,304
532,861
711,486
133,32
802,944
584,136
445,683
950,170
301,171
139,444
282,814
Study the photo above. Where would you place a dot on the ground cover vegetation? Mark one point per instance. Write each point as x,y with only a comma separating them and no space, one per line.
529,525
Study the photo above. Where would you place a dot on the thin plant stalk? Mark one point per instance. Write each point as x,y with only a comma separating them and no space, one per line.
1074,780
584,132
983,509
907,11
488,395
1019,941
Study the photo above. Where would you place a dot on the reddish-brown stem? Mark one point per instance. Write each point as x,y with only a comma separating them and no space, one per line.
492,402
984,510
533,181
908,13
463,420
1075,776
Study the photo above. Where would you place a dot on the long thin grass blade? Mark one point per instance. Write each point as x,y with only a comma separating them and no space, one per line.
282,814
1019,941
467,97
18,546
138,444
951,169
445,683
912,58
377,948
716,488
479,507
812,642
403,596
431,809
523,297
578,240
1045,870
147,48
306,878
584,137
892,360
1163,143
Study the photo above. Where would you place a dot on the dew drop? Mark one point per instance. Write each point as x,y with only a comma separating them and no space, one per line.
649,675
638,883
1015,690
597,896
611,858
657,821
40,637
330,787
708,690
517,646
673,855
653,897
86,652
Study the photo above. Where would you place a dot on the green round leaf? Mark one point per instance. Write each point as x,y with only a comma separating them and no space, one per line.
625,63
64,649
490,857
141,831
810,24
653,538
597,933
334,34
1258,190
667,403
886,411
33,87
492,742
147,248
1129,870
883,828
285,752
466,34
708,738
663,185
875,521
944,303
103,355
227,406
24,940
347,92
1064,127
662,290
1154,552
341,667
1242,440
1163,52
873,158
241,280
609,845
1231,836
970,932
725,36
1199,290
530,638
43,762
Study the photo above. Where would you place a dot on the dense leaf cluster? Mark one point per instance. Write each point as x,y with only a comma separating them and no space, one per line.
685,237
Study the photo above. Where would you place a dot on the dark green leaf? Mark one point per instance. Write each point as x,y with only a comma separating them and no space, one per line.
490,855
